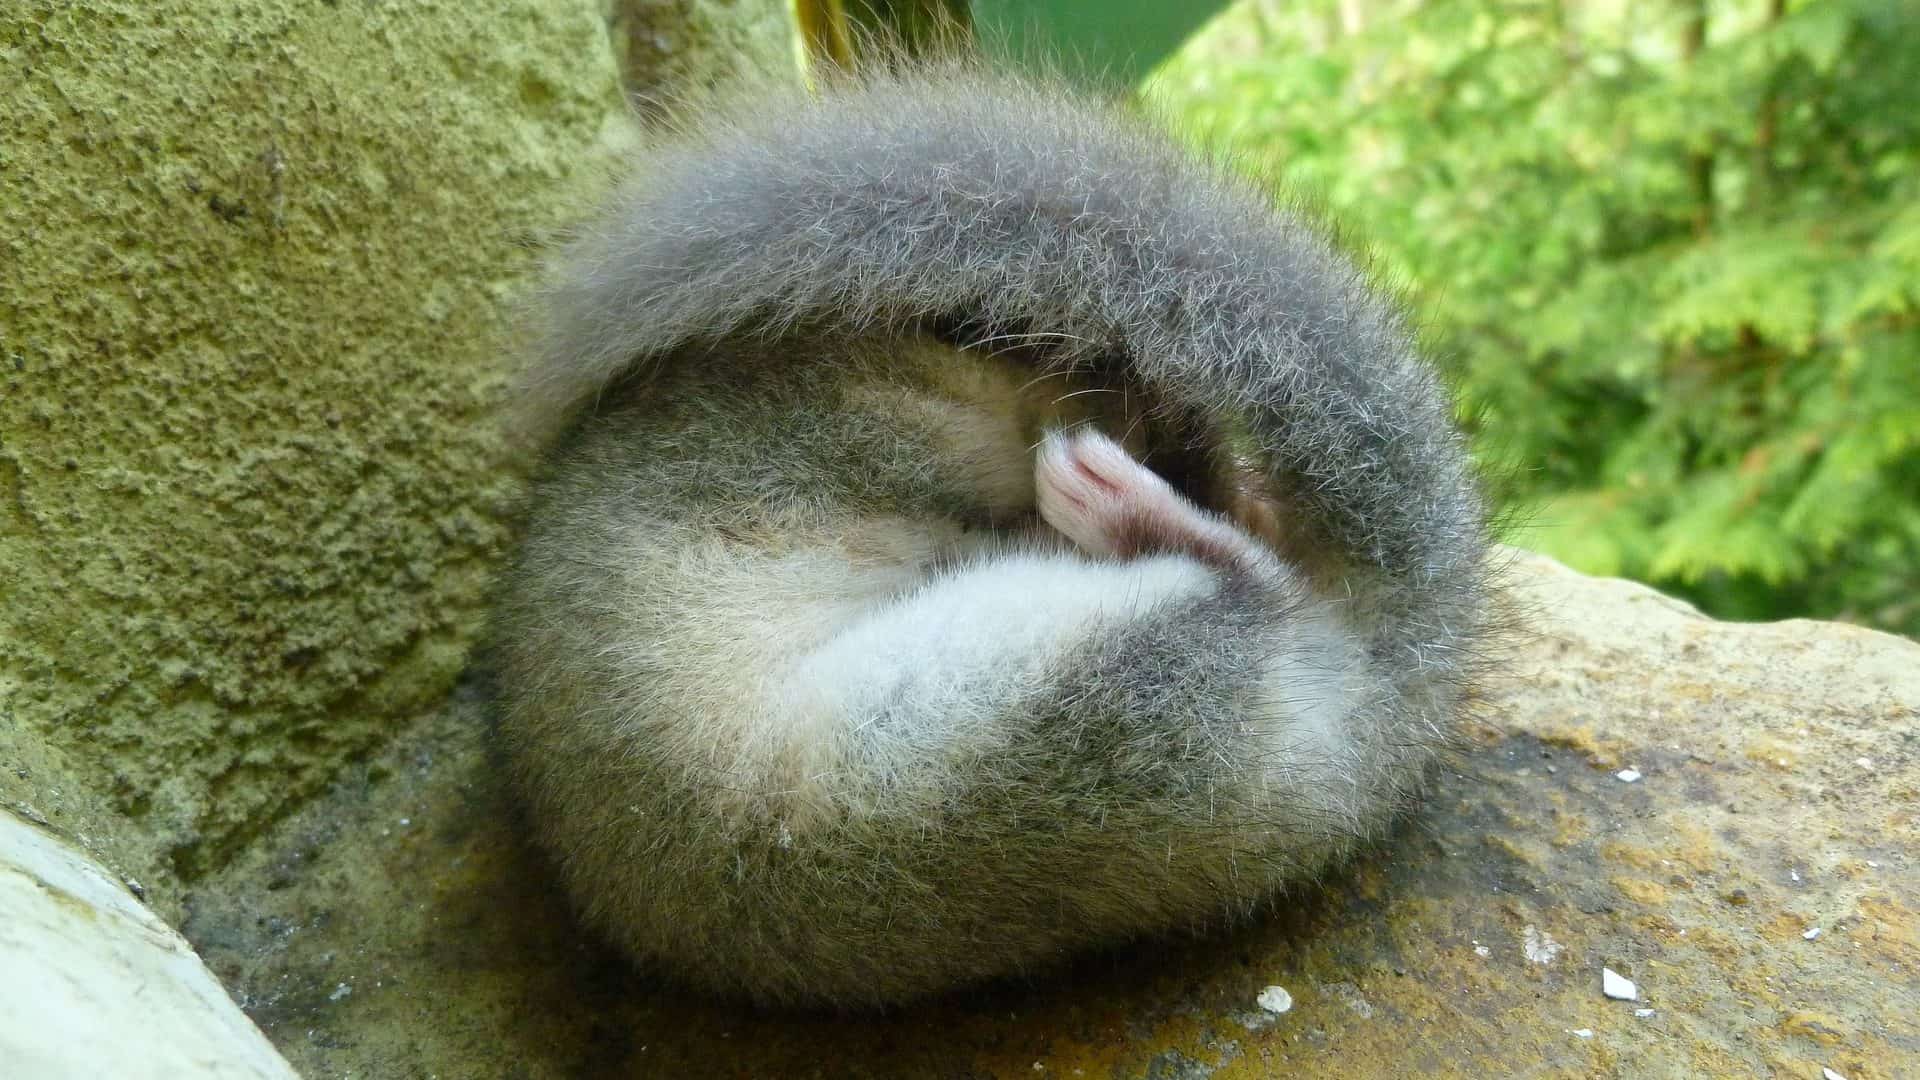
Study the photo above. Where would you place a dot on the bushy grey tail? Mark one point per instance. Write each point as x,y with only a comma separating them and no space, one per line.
946,194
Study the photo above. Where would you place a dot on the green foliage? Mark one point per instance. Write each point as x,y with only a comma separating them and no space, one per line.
1098,41
1674,245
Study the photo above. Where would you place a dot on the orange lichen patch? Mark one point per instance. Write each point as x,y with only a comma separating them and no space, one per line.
1755,987
1783,927
1773,753
1655,924
1787,1064
1819,1027
1569,829
1600,752
1637,857
1507,847
1889,929
1698,692
1641,891
1692,847
1697,848
1715,943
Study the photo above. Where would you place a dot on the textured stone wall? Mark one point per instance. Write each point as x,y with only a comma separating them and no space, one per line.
256,265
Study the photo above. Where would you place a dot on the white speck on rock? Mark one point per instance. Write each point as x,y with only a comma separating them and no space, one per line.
1864,762
1482,951
1274,999
1643,1013
1627,776
1618,986
1811,934
1581,1033
1794,874
1538,945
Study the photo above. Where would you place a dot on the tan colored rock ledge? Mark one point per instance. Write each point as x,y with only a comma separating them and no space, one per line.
398,929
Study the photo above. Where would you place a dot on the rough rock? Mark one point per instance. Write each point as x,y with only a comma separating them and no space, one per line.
96,985
398,927
254,256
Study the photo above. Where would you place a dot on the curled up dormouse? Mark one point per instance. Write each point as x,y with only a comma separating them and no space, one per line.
970,531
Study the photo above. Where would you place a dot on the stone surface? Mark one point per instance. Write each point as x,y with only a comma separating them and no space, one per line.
398,928
92,984
253,262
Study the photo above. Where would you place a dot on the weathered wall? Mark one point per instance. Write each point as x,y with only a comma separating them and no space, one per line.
254,264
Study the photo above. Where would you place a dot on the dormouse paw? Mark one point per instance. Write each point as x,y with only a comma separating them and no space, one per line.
1108,504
